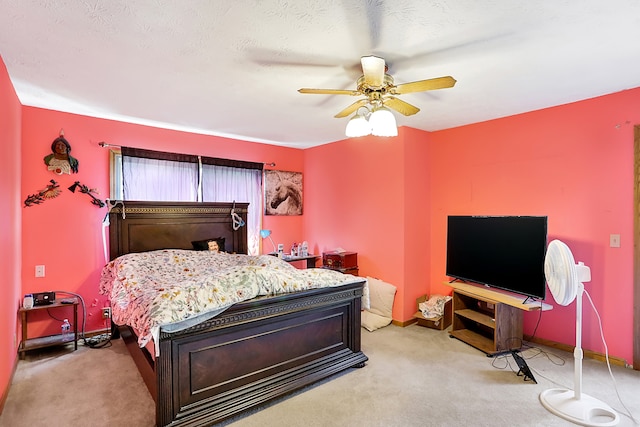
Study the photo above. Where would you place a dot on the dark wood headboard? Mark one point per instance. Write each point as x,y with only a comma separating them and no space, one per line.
146,226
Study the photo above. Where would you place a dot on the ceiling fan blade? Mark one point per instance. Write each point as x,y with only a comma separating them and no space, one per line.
400,106
351,108
373,69
422,85
330,91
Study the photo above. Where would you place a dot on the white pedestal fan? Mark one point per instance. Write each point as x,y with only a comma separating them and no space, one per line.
565,279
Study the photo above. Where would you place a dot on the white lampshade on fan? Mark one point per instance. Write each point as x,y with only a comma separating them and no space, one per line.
382,122
357,126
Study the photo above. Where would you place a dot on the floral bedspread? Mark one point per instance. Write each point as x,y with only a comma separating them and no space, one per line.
153,289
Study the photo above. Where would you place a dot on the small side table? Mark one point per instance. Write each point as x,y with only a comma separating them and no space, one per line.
48,341
311,259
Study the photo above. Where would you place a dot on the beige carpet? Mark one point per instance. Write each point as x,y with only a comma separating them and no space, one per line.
415,377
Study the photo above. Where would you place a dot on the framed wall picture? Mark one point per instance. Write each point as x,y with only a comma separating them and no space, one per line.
282,192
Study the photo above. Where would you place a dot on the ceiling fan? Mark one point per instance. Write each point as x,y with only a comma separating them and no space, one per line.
379,89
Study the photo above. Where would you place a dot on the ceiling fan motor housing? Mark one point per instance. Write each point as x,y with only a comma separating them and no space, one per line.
379,88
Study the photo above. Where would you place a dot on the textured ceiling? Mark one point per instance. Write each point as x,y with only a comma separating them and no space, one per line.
232,68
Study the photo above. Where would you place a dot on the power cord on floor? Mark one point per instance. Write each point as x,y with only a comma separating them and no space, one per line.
97,341
525,347
548,355
606,353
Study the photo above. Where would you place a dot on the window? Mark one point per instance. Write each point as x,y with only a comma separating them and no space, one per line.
150,175
115,174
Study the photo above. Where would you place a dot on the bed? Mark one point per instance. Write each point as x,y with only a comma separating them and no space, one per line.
250,353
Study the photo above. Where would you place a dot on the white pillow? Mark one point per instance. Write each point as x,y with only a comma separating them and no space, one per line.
381,296
366,301
371,321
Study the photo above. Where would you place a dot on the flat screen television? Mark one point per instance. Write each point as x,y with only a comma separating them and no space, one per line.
505,252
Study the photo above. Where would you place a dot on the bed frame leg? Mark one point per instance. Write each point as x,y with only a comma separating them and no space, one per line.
115,332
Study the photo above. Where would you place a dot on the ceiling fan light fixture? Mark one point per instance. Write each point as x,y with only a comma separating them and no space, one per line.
357,126
378,88
382,122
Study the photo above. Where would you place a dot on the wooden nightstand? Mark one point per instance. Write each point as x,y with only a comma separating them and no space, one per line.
344,262
311,259
47,341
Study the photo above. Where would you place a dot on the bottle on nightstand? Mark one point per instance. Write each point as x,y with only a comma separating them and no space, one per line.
67,335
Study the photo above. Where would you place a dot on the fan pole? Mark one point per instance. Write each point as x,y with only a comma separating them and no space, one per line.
574,406
577,351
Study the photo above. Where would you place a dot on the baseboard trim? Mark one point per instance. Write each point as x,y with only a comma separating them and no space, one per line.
405,323
587,353
5,394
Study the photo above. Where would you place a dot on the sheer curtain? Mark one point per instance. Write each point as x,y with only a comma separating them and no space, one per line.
224,184
159,180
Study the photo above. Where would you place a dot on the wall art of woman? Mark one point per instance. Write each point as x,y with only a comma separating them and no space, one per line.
60,160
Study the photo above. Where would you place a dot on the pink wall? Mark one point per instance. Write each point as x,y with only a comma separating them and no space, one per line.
352,202
417,234
10,222
64,233
359,196
573,163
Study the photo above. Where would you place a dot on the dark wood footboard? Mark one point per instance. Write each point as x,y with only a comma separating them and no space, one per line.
254,352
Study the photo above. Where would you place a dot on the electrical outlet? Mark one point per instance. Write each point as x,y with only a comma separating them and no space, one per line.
39,270
614,241
106,312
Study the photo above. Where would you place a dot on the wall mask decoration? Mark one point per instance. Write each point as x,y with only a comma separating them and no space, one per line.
283,192
52,190
86,190
60,160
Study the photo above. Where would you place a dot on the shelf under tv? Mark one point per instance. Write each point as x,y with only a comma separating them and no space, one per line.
487,319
